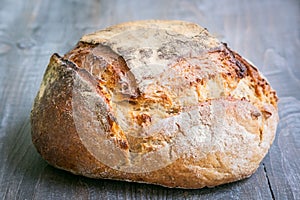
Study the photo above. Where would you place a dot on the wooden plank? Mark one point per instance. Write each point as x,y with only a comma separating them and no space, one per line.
54,184
282,163
266,32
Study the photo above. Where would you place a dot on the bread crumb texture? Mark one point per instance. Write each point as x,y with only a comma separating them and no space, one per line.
160,102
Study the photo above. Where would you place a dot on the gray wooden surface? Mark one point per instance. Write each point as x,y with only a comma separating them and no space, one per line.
267,32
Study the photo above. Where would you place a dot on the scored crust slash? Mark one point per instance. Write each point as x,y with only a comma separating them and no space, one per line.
160,102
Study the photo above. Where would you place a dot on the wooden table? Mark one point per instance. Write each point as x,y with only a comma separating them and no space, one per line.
266,32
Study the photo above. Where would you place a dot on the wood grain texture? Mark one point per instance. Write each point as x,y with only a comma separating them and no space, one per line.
266,32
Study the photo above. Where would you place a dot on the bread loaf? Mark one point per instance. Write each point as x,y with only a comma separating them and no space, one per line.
160,102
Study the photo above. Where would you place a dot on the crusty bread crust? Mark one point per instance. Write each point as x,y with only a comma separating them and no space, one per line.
159,102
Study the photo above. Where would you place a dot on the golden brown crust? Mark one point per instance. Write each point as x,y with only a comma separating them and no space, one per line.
162,114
